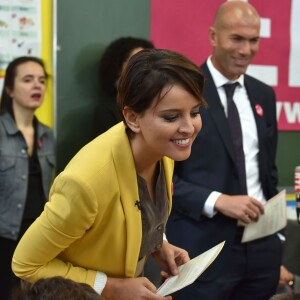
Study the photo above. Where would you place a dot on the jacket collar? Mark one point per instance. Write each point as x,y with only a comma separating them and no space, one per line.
9,124
216,110
11,127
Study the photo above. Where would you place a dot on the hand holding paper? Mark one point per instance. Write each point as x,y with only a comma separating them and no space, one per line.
190,271
273,220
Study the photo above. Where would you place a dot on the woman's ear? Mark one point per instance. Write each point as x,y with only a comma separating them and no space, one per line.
9,92
132,119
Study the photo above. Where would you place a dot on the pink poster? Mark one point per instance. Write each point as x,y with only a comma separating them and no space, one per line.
183,26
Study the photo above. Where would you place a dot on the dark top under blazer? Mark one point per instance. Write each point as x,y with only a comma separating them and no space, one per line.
211,167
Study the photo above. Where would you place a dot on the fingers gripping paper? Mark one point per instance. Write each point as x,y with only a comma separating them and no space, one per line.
273,219
190,271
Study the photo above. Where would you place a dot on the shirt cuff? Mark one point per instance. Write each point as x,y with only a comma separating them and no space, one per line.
209,205
165,237
100,282
281,237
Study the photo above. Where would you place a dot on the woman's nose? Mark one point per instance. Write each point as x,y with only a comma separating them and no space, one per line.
187,126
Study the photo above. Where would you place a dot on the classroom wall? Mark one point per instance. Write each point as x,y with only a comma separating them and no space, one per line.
85,28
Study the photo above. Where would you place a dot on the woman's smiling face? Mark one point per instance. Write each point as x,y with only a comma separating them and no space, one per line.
169,127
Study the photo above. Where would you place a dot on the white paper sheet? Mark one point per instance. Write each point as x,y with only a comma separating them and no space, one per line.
190,271
273,220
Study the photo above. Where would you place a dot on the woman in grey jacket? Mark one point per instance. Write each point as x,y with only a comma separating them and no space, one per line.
27,158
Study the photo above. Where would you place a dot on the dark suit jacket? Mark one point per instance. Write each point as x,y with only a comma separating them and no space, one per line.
211,167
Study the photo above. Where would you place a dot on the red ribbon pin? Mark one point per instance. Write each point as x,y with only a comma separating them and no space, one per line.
39,144
259,110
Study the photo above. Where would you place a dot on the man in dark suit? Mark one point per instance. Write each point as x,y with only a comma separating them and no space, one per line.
212,197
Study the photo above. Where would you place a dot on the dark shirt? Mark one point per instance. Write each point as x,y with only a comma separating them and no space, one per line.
35,199
154,214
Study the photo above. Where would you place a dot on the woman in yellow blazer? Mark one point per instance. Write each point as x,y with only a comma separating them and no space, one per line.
96,223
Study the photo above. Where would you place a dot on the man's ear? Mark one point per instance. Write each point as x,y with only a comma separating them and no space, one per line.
212,36
132,119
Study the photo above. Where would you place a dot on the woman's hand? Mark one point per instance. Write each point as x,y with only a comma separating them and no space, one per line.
131,288
170,257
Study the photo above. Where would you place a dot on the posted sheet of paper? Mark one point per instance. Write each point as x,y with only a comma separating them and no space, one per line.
190,271
273,220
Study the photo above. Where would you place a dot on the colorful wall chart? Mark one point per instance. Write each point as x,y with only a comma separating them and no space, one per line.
26,29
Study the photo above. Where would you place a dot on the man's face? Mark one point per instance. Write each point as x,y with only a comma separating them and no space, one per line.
234,45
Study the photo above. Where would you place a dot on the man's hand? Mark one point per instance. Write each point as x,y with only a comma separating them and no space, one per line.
286,277
243,208
170,257
131,288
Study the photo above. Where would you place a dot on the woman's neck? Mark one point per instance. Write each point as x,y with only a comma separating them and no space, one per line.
24,122
24,118
147,165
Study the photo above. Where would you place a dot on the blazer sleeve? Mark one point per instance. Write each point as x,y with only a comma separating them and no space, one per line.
189,198
65,219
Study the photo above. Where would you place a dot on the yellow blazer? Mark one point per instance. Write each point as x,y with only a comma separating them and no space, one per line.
91,222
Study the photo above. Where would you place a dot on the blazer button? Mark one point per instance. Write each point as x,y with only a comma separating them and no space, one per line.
159,227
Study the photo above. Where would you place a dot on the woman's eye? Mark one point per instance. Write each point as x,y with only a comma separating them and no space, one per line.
195,114
170,118
27,79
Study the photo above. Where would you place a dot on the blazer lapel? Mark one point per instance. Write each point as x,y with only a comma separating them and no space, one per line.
254,100
127,179
216,111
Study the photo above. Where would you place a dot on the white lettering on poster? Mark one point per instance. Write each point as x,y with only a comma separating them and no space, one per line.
290,110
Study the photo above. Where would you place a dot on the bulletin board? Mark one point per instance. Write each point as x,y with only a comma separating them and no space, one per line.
26,29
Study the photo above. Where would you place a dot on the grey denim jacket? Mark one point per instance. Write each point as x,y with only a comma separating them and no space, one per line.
14,172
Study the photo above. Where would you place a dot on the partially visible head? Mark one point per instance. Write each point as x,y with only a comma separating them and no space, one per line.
25,67
153,75
234,37
57,288
115,58
286,297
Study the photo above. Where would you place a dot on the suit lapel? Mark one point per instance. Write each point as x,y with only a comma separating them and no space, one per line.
254,98
216,111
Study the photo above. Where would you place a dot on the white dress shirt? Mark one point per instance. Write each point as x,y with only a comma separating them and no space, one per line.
250,138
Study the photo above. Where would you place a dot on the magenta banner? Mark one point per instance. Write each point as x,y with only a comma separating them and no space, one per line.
183,26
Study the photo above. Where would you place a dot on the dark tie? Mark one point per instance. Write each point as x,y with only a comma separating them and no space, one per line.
236,134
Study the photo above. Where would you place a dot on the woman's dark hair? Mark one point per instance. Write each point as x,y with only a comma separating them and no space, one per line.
150,71
113,59
9,80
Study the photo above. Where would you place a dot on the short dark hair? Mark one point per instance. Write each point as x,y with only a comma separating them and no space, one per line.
57,288
9,80
150,71
116,53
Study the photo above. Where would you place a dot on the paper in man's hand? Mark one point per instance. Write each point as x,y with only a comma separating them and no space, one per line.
273,220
